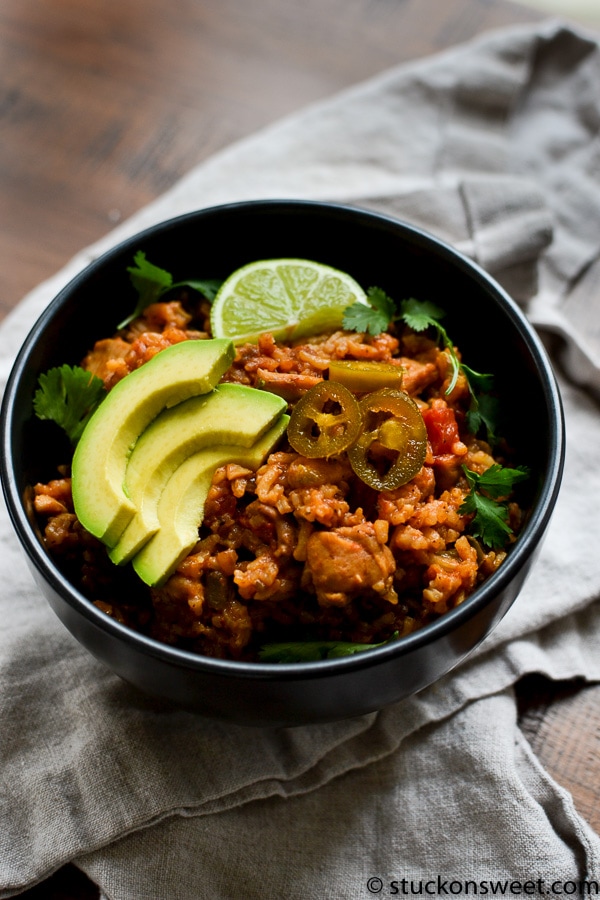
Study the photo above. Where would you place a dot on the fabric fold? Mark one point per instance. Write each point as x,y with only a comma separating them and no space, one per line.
501,221
492,817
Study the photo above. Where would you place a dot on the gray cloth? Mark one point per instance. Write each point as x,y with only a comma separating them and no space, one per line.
494,147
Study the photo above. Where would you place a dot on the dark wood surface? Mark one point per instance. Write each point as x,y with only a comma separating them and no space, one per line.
104,105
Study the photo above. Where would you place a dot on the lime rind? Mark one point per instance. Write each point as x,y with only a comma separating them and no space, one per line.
290,298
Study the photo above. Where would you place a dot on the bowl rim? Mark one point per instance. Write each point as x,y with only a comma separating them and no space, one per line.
528,541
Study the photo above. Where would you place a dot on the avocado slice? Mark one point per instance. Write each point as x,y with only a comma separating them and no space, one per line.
100,460
181,504
230,414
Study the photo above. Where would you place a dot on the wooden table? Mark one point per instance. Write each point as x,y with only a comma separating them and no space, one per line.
104,105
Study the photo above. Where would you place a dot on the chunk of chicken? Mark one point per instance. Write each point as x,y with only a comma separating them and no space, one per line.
347,561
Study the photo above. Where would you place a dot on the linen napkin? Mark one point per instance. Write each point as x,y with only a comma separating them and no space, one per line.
494,147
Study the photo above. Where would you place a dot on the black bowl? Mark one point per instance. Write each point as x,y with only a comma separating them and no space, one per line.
493,335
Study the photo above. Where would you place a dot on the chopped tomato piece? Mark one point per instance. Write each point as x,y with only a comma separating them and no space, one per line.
442,429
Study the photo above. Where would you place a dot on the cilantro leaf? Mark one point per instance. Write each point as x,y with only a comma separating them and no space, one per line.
497,481
478,380
490,517
490,522
359,317
148,280
420,314
68,395
483,412
311,651
483,409
151,282
207,287
380,301
373,318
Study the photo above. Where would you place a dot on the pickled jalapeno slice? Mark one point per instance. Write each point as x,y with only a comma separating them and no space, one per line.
325,421
392,445
365,375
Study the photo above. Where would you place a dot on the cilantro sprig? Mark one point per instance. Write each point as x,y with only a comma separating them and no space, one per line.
373,317
486,501
484,409
151,283
312,651
378,314
68,395
421,315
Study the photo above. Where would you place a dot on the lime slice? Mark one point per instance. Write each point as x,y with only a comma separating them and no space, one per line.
291,298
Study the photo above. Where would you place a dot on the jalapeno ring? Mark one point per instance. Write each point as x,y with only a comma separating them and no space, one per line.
325,421
392,445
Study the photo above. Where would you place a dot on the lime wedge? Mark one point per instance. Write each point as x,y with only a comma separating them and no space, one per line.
291,298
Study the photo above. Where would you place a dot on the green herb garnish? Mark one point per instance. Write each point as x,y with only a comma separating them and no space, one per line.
312,651
483,409
373,318
420,315
487,491
68,395
207,287
152,282
149,281
423,315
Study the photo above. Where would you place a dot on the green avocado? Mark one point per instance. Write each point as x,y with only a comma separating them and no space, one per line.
180,508
230,414
99,464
